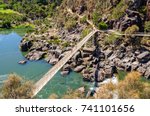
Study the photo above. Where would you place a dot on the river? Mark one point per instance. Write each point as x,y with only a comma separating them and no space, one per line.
10,55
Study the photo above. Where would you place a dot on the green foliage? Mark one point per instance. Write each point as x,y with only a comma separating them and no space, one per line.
3,6
65,44
15,88
102,26
55,40
119,10
131,30
70,24
111,39
132,87
85,32
9,17
147,26
96,18
6,24
130,38
83,20
145,41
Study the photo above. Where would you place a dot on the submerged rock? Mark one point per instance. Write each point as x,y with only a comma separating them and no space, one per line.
22,62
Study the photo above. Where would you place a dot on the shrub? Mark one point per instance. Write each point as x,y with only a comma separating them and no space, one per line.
131,86
70,24
83,20
145,41
102,26
85,32
147,26
6,24
119,10
106,91
132,29
96,18
111,39
131,39
15,88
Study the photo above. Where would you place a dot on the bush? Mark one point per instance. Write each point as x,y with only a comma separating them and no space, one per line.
106,91
102,26
145,41
119,10
15,88
131,39
96,18
147,26
85,32
111,39
83,20
6,24
70,24
131,87
132,29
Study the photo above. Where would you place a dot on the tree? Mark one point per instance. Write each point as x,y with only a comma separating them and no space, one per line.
130,38
15,88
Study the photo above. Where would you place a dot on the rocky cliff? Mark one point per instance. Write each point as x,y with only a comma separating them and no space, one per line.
101,57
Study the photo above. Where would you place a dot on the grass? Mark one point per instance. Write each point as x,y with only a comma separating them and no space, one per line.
8,11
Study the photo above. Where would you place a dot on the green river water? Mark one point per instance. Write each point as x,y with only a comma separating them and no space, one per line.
10,55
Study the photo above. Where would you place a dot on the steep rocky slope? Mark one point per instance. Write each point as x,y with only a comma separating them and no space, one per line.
104,54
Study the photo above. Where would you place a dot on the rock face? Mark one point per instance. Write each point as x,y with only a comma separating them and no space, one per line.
79,68
136,4
144,57
25,45
35,55
131,18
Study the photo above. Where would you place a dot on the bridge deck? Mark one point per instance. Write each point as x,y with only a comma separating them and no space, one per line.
49,75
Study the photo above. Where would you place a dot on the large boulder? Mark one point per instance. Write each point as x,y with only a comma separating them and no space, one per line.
64,73
53,60
108,71
58,53
108,53
134,65
88,50
35,55
77,56
144,57
130,18
99,75
79,68
135,4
